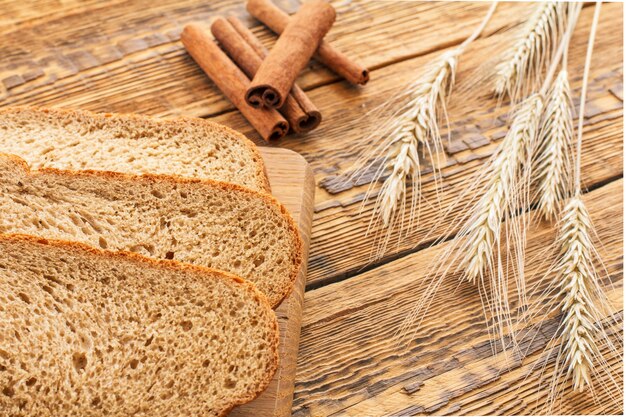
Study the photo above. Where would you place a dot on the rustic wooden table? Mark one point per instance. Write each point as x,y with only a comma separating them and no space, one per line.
125,56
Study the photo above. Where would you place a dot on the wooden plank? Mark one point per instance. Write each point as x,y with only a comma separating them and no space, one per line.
19,13
339,247
127,57
350,363
121,61
292,184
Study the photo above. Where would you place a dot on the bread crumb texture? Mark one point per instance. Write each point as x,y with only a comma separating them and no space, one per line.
205,223
90,333
76,140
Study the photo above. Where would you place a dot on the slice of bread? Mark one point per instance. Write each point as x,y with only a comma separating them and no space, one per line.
203,222
86,332
73,139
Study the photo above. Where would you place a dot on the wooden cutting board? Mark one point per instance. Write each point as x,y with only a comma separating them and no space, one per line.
293,185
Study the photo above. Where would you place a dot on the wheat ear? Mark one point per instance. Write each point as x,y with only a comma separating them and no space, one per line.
507,190
504,190
521,69
553,163
412,128
582,334
417,127
583,300
576,276
478,254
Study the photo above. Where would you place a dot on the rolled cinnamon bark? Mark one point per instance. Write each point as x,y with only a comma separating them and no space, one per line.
231,81
291,53
276,19
247,51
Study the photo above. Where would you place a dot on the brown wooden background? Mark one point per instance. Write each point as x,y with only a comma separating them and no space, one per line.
125,56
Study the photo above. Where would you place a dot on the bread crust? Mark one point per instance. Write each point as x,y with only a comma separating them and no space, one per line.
174,266
160,178
180,121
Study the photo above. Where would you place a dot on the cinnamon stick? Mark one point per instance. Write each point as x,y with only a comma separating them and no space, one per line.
247,51
291,53
231,81
276,19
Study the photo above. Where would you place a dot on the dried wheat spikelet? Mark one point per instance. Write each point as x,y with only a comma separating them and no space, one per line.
417,127
583,340
583,299
488,248
490,245
576,274
484,245
587,339
522,67
505,192
553,163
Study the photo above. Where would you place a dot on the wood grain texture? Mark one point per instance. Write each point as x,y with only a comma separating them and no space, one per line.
292,184
126,56
15,14
351,364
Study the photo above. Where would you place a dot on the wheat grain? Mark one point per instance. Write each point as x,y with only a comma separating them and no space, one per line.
504,190
521,69
553,164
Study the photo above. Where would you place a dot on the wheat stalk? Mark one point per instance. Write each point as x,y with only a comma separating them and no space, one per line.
553,164
505,188
522,68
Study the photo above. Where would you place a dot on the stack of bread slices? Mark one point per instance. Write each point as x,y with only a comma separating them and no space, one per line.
140,260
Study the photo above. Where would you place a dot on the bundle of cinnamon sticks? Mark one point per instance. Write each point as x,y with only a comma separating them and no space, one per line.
261,83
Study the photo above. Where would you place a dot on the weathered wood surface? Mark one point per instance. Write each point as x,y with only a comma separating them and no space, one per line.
350,363
292,184
116,55
130,59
